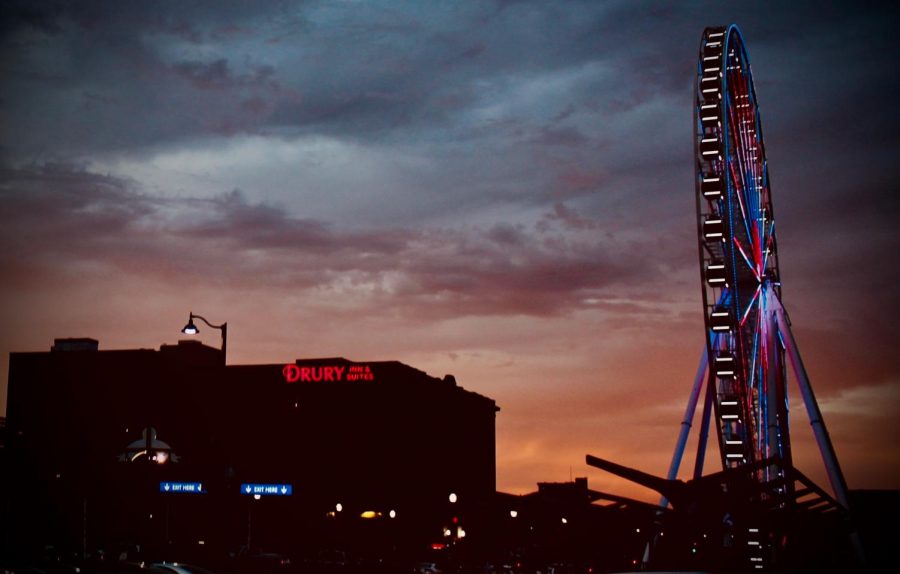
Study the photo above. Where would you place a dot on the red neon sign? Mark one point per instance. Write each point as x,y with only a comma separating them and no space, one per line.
327,373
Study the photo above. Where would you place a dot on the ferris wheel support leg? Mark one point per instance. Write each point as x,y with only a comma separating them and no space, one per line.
772,393
705,419
686,421
682,439
835,476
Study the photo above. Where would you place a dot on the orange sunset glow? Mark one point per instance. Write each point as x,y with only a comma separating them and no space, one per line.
501,191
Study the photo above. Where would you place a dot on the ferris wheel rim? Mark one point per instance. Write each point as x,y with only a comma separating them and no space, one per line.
738,253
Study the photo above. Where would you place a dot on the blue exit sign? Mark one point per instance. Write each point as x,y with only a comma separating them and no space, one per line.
267,489
182,487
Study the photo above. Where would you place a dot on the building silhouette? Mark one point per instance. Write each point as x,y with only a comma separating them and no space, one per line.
171,454
152,452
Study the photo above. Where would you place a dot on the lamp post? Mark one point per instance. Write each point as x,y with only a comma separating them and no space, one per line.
191,329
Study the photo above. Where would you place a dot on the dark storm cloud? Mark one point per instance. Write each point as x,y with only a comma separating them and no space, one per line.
18,15
76,209
59,217
101,76
64,216
373,67
363,70
504,270
582,106
230,219
217,75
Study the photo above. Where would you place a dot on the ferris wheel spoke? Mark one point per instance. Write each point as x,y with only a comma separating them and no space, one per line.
747,259
750,305
754,380
742,171
765,370
758,249
770,245
756,384
746,148
740,196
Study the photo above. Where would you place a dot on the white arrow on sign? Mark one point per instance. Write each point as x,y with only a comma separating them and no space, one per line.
248,490
283,490
166,487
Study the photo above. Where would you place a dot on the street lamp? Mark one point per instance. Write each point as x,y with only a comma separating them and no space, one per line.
191,329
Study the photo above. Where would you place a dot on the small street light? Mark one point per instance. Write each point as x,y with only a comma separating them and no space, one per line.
191,329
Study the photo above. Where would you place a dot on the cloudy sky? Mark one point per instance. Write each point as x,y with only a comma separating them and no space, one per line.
499,190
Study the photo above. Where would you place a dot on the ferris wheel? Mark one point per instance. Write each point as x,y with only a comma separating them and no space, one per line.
739,258
749,345
749,342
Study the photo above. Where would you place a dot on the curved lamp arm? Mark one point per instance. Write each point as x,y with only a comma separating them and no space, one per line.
192,329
